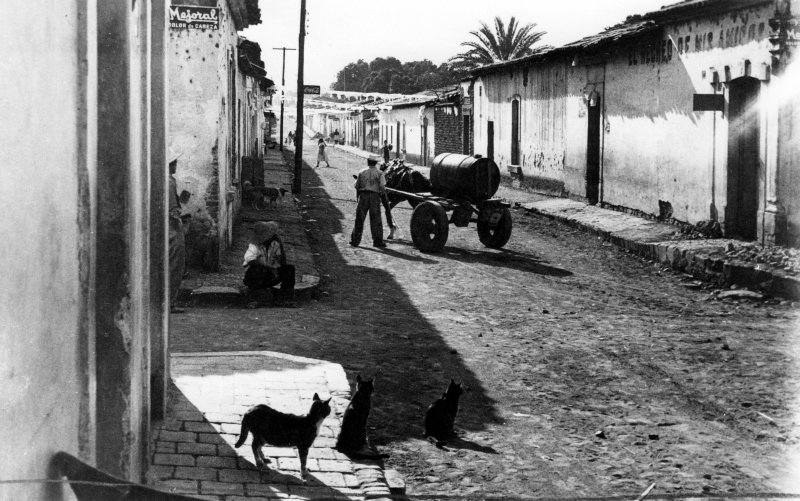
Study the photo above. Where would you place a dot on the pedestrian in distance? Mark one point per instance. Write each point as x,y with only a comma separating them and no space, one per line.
370,185
322,154
386,149
265,267
177,245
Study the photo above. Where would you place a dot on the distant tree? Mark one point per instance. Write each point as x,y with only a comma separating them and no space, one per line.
390,75
500,44
352,76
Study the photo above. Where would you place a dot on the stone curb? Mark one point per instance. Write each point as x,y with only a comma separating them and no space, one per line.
688,256
306,287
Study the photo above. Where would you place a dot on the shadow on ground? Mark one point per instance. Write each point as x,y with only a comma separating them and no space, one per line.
365,321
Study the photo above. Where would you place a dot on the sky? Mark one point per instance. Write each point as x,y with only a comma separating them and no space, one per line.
343,31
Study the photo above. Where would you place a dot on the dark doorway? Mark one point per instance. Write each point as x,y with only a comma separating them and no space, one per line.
425,141
515,132
465,149
397,142
490,140
593,152
743,158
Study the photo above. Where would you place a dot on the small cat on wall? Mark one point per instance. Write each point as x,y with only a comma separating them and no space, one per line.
441,415
269,426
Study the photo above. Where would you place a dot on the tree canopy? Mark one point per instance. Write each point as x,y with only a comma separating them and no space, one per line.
504,43
389,75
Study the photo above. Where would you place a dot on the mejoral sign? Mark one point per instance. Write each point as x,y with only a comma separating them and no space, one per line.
193,17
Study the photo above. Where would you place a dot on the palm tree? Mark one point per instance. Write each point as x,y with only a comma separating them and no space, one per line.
499,45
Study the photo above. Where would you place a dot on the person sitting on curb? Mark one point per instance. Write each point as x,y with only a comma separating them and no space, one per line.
265,266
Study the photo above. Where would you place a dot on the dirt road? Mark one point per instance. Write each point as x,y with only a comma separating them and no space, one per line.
591,372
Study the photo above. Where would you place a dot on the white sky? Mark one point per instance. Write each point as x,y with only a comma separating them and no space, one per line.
343,31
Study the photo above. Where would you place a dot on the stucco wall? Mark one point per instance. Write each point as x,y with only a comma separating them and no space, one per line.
199,129
655,146
41,299
541,91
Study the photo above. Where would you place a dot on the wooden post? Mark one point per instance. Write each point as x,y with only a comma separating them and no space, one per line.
298,140
283,84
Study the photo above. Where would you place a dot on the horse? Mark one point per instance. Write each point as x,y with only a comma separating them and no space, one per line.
401,177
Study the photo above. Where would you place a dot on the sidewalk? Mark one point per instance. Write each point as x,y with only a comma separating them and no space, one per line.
713,260
194,451
225,286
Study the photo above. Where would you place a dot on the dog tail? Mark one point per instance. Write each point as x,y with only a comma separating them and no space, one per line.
243,433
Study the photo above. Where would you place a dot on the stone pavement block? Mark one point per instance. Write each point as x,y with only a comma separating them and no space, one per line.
216,462
325,442
320,453
227,451
177,436
195,473
239,476
196,427
188,416
211,438
160,472
168,447
177,486
293,464
197,449
337,466
351,481
172,424
331,479
173,459
211,487
287,452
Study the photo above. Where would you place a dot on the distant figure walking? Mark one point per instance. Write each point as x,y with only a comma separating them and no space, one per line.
290,138
322,154
386,149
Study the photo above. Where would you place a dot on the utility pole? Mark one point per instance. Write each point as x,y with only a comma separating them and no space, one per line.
283,84
298,148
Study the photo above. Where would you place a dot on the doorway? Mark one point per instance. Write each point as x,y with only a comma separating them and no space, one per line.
593,151
515,132
397,142
425,141
741,212
490,140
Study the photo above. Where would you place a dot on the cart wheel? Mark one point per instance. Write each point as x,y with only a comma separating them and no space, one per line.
498,236
429,227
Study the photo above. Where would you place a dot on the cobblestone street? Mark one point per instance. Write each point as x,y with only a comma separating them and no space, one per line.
591,372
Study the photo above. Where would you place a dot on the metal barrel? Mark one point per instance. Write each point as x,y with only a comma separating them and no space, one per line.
474,178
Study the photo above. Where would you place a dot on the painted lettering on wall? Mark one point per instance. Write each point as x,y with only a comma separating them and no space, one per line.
193,17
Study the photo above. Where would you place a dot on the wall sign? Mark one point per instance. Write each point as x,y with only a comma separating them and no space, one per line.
708,102
193,17
311,89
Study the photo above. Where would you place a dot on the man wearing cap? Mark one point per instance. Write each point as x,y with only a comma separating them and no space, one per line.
370,184
177,246
265,266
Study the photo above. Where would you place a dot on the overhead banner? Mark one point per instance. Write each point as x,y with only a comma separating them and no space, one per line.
193,17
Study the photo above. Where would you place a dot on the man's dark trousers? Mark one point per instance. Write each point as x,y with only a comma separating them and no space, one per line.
368,201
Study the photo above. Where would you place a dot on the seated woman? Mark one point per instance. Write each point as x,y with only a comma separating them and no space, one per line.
265,266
